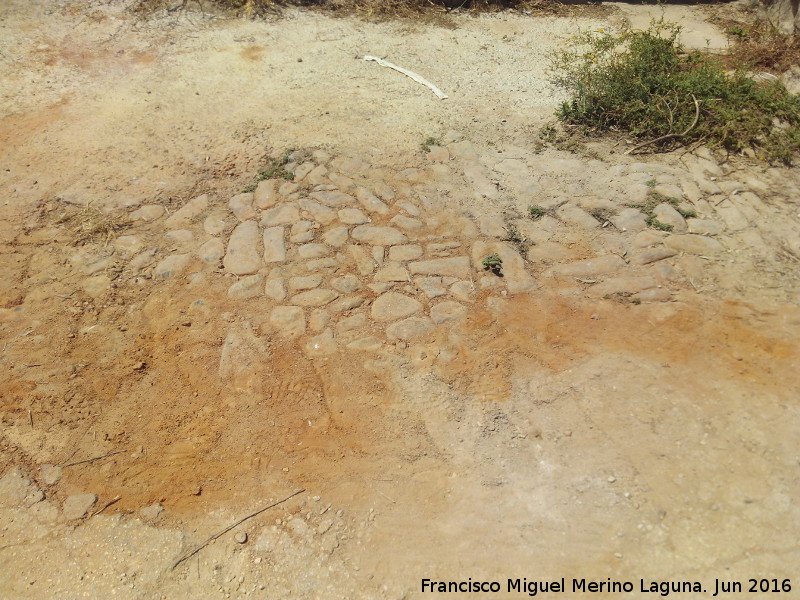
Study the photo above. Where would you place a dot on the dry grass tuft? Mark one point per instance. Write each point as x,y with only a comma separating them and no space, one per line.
93,225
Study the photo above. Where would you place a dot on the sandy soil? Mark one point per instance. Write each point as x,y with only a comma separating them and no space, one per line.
546,433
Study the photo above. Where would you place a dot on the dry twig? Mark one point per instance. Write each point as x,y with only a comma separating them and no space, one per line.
219,534
670,136
88,460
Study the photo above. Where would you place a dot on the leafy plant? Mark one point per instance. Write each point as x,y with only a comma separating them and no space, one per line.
644,84
494,264
430,141
275,169
536,212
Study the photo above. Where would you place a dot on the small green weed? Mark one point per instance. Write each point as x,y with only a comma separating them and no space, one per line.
644,84
536,212
494,264
656,224
686,213
276,170
250,188
429,142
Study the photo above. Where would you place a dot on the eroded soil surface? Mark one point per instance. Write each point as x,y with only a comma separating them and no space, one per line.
615,400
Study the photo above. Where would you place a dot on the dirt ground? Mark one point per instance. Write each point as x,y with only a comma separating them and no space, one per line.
621,404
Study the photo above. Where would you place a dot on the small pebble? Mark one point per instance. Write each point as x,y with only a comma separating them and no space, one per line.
240,537
611,479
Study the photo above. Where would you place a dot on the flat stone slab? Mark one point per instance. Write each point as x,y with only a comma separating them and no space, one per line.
393,305
379,236
651,255
457,266
247,287
404,253
242,206
322,214
694,244
516,278
242,257
172,266
265,196
590,267
447,311
289,321
352,216
668,215
319,297
705,227
371,202
574,215
333,198
188,213
411,328
211,251
285,214
77,505
274,245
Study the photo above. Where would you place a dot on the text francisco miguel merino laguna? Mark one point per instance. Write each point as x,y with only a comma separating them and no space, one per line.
532,588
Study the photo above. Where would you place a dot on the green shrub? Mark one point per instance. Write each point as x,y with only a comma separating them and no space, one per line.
642,83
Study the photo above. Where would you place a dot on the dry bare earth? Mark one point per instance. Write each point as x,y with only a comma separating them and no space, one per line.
630,416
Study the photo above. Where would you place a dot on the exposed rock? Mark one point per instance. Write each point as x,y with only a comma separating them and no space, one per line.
574,215
214,224
344,304
406,223
378,236
447,311
322,214
50,474
694,244
17,490
147,213
152,512
265,195
404,253
346,284
274,245
319,264
318,297
77,505
733,217
651,255
630,219
179,237
188,213
323,344
411,328
172,266
371,203
319,319
705,227
288,188
242,206
622,285
432,287
654,295
211,251
247,287
352,216
285,214
668,215
463,290
393,305
392,271
289,321
590,267
308,251
350,323
336,237
276,289
492,226
242,256
302,232
364,262
333,198
306,282
549,252
451,267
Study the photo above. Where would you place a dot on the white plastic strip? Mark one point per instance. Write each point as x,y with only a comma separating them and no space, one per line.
408,73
